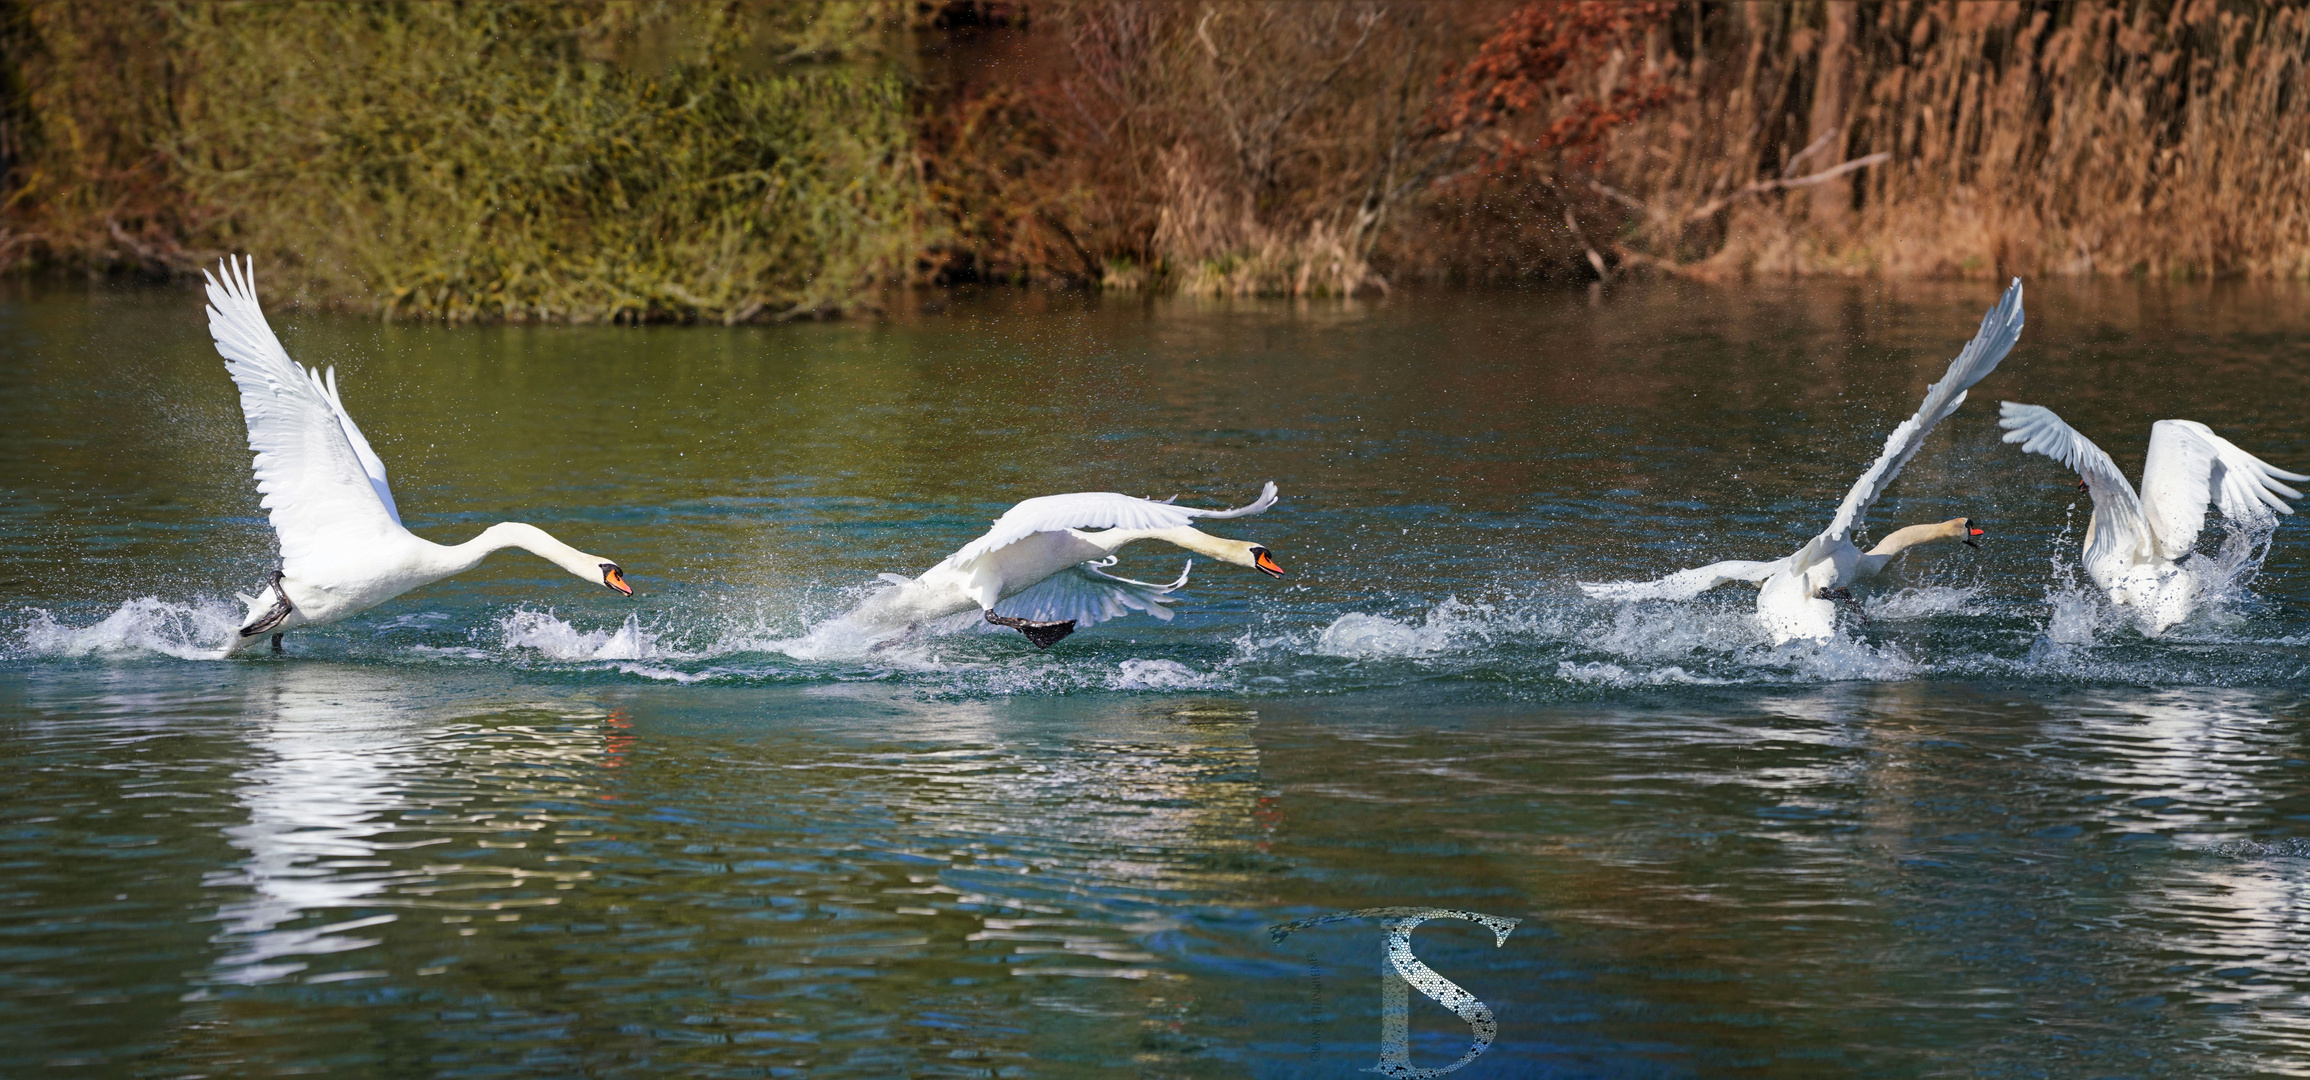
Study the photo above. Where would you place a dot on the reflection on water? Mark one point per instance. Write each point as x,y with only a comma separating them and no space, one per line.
509,827
340,768
310,866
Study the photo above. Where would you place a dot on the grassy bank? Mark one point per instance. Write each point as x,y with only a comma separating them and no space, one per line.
591,161
634,160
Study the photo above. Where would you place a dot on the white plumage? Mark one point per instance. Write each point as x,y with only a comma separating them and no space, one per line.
1039,569
343,549
1096,510
1790,603
2139,547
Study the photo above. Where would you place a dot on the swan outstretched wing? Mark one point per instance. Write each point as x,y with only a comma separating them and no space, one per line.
323,485
1091,596
1095,510
2189,467
2119,524
2000,328
1081,592
1684,584
370,463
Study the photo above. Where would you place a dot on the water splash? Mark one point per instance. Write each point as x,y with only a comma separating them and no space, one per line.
1448,626
194,631
1160,675
1922,602
1602,673
1533,641
556,639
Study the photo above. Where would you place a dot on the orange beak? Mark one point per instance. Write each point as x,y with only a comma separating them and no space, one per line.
1266,563
616,579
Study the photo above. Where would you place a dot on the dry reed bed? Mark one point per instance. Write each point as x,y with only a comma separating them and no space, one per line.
1266,147
2170,139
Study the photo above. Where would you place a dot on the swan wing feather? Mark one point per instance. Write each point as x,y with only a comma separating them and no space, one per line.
1089,597
322,495
2000,329
1095,510
370,462
2189,467
2119,524
1080,592
1684,584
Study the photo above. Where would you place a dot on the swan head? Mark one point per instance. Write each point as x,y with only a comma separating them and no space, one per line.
614,576
1239,552
1969,532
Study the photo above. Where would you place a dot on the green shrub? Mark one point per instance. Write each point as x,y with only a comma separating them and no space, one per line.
486,160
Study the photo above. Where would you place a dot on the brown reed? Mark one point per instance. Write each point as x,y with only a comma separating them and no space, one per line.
2160,138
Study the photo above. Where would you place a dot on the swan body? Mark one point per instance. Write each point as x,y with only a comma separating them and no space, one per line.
1792,597
1040,569
343,548
2139,545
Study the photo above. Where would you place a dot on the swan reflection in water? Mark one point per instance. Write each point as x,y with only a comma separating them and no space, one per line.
350,774
2190,766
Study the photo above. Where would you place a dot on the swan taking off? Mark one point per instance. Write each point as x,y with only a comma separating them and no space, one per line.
1039,570
2138,548
343,550
1794,601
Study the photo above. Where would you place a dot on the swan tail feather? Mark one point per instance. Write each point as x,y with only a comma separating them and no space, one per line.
1266,499
1684,584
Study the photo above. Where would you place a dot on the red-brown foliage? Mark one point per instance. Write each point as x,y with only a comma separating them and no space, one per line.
1547,54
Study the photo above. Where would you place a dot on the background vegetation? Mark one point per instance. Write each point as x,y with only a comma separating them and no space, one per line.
629,160
591,160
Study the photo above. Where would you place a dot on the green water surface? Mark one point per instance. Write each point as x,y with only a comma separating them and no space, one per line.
515,825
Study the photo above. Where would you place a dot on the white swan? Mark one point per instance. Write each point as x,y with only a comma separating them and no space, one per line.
343,550
1795,600
2138,548
1039,569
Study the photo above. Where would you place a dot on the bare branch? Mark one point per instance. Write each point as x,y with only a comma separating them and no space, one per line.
1618,196
1762,186
1595,258
1790,169
1826,175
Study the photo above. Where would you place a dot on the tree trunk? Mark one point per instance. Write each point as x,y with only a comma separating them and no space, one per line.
1833,201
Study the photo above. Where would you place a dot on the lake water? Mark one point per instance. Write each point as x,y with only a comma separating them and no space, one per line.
515,825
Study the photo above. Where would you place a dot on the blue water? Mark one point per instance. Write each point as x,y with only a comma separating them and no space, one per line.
514,825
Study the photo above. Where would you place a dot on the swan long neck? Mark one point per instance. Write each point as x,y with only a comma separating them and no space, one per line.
1900,540
1193,539
529,538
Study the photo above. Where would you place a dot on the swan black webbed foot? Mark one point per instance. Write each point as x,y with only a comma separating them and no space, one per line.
273,616
1043,634
1846,596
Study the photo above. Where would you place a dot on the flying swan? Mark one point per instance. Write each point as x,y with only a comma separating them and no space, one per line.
343,550
1040,569
1795,600
2138,547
